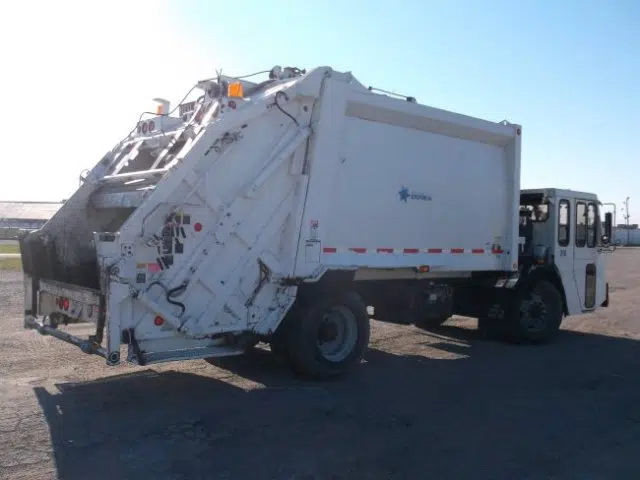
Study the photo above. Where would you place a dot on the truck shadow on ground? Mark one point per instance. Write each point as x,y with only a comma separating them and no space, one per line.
498,411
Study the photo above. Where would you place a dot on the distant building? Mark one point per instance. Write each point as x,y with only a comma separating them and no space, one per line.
627,236
19,216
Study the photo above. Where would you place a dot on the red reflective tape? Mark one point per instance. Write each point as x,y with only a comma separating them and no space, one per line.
153,267
415,250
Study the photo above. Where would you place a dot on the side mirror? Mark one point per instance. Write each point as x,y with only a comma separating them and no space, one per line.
608,226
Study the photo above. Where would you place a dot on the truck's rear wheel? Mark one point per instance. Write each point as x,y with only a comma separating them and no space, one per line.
328,336
536,314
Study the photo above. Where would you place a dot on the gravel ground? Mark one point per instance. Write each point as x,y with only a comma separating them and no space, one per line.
424,405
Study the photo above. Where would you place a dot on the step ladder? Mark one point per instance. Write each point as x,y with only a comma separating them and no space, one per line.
139,163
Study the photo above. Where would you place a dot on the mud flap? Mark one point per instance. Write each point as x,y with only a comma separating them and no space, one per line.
30,297
606,298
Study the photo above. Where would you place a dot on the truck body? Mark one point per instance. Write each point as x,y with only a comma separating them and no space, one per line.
279,211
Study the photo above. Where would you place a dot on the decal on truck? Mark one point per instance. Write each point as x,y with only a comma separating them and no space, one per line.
406,194
313,229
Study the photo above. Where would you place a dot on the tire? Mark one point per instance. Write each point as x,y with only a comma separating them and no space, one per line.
535,315
327,336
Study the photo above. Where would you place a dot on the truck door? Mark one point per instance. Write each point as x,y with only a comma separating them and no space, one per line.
564,260
601,264
585,265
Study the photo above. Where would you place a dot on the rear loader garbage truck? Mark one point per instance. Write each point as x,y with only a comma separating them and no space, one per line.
280,211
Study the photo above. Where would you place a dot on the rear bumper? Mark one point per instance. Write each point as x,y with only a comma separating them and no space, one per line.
49,303
46,297
69,301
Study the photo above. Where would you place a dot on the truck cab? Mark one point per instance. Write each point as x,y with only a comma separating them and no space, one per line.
561,230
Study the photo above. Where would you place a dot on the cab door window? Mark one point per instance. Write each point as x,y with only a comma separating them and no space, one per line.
591,225
581,224
564,225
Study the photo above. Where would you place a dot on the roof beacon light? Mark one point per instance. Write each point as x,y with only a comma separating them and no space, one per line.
163,106
235,90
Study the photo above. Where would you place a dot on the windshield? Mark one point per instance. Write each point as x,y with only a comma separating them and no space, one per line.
538,212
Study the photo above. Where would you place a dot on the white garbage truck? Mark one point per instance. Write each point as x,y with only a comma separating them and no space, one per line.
291,211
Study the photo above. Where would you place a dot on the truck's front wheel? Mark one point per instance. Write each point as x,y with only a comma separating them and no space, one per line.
328,335
536,314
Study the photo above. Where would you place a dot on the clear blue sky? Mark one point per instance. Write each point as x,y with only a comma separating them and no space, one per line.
569,72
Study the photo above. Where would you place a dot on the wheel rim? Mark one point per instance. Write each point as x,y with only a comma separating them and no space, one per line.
534,315
337,334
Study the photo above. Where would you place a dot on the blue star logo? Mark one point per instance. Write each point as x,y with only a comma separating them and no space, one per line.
404,194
